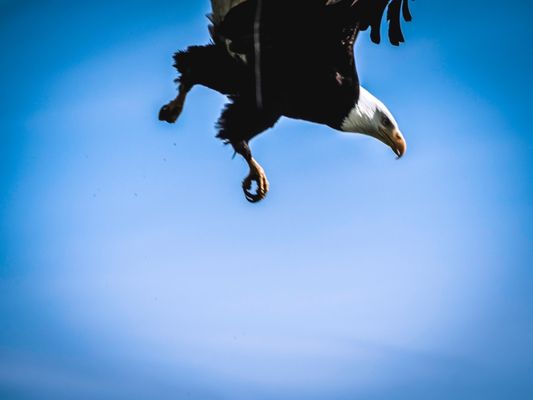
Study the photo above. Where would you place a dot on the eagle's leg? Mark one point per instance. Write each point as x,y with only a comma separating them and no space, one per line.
171,112
257,175
239,123
210,66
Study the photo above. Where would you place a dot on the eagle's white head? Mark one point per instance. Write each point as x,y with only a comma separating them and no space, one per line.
371,117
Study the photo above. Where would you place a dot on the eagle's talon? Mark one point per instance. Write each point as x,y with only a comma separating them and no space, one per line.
170,113
258,176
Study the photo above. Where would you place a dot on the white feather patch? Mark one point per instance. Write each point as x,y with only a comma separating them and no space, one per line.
220,9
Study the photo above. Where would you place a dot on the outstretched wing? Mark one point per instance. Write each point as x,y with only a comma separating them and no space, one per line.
366,14
302,41
292,17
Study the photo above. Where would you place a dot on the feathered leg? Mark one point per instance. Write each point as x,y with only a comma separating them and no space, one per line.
210,66
239,123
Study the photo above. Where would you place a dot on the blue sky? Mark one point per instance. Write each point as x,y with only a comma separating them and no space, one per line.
131,267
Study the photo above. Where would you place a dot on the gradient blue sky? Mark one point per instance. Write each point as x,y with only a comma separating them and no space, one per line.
131,267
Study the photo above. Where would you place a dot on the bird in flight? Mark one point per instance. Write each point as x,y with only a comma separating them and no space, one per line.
291,58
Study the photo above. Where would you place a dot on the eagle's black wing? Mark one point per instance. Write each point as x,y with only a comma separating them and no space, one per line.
363,13
369,14
307,58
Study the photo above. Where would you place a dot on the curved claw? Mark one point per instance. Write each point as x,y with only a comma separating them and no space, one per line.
170,113
260,179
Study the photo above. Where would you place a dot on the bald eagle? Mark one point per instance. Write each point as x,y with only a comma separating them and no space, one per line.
292,58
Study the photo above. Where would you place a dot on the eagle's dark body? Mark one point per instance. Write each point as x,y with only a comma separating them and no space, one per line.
276,58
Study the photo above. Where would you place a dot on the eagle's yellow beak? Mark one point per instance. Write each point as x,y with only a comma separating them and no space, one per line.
399,145
394,139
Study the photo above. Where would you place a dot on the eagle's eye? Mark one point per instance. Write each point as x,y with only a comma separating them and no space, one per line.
386,122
